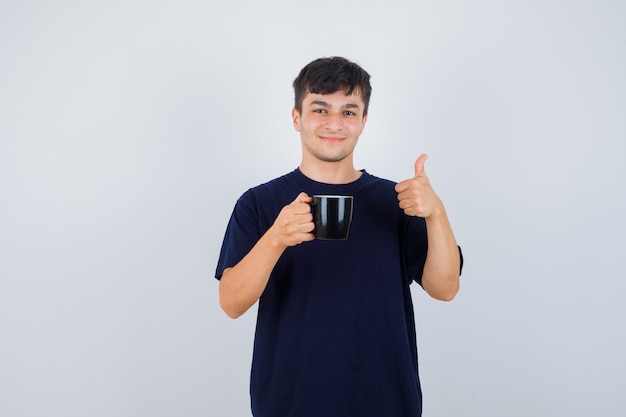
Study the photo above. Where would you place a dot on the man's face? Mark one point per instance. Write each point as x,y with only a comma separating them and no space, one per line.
330,125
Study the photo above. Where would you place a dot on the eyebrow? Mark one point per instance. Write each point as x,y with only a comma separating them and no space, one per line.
343,106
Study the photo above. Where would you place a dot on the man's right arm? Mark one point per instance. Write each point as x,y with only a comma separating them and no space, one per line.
242,285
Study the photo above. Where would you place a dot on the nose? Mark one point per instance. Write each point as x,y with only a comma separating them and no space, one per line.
333,122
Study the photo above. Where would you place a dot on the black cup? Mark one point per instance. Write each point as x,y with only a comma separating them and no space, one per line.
332,215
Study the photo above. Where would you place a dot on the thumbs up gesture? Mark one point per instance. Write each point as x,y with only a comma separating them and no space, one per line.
416,196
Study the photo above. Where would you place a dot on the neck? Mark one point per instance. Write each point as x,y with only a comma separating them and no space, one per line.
342,172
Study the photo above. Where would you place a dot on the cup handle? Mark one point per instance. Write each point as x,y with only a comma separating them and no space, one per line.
312,205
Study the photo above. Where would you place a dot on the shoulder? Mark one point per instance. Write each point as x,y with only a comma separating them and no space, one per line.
282,184
276,191
369,178
371,183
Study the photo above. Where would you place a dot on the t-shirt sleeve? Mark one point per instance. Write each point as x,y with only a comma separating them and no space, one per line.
242,233
415,248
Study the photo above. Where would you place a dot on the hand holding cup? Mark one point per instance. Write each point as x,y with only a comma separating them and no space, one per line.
294,223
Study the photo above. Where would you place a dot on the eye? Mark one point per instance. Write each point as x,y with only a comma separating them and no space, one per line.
319,111
349,113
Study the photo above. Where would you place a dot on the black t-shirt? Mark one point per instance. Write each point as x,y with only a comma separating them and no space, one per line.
335,331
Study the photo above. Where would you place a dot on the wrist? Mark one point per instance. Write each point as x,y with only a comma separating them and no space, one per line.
273,240
438,213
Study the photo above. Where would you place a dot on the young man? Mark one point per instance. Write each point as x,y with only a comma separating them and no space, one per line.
335,331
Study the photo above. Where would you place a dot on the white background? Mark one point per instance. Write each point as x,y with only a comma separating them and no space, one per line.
129,128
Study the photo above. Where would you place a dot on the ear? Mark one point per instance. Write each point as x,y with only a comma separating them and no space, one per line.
295,116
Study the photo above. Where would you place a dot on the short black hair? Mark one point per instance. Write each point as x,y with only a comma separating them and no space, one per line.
329,75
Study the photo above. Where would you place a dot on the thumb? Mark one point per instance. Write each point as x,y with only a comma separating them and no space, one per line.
419,165
303,198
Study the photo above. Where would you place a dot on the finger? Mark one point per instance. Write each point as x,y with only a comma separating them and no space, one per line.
405,204
307,237
419,165
403,186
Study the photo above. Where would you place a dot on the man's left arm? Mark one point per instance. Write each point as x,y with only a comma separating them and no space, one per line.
441,276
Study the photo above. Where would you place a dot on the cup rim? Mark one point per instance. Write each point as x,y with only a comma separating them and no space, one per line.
332,196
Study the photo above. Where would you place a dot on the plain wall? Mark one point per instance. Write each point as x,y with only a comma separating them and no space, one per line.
129,128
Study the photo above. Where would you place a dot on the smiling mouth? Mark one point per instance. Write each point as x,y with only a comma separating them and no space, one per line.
332,139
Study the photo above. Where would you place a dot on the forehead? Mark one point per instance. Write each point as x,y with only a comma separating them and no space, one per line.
338,98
